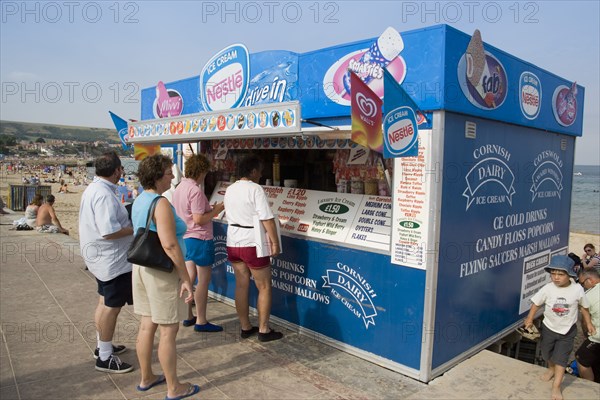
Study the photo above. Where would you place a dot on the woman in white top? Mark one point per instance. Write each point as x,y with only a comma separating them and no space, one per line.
243,200
590,258
32,209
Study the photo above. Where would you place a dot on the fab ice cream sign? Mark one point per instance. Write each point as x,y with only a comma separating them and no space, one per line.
481,76
224,79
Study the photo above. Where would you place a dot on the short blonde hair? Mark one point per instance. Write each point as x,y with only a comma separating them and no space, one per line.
196,165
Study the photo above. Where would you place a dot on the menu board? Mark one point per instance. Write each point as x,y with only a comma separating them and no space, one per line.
372,225
411,185
353,219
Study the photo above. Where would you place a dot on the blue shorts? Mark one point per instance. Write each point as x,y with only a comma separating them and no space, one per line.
117,292
202,252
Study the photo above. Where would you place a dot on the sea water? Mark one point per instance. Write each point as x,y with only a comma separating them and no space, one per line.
585,201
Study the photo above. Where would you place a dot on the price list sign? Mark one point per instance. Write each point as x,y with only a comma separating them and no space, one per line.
353,219
274,197
410,226
314,214
292,210
371,226
333,214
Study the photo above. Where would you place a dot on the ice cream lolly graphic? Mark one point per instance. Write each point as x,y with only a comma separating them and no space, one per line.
381,53
566,104
477,67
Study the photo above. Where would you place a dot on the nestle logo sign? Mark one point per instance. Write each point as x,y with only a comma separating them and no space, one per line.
400,131
224,79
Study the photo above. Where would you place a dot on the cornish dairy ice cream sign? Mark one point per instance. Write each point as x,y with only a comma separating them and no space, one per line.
353,290
490,181
224,79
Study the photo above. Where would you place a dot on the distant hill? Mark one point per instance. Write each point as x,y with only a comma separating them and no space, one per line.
31,131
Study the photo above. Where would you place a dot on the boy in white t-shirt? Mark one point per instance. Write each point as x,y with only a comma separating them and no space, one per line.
561,299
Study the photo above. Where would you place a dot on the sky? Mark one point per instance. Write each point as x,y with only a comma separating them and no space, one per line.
71,62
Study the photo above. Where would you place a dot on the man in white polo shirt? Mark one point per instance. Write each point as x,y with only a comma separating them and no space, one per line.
105,234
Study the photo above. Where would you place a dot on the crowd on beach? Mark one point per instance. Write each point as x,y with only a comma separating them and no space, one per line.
174,207
59,180
36,174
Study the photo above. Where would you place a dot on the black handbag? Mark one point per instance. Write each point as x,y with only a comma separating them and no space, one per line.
146,249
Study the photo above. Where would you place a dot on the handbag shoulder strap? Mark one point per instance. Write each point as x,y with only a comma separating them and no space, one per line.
151,211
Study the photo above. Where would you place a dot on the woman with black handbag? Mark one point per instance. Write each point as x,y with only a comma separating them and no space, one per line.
158,294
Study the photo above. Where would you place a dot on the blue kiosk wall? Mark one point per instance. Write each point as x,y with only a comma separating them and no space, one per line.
379,312
491,224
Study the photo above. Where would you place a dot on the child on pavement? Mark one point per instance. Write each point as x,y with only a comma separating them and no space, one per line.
561,299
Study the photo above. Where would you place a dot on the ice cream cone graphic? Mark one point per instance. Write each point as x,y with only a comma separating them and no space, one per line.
477,66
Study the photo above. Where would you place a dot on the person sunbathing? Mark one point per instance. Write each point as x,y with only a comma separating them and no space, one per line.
63,189
47,221
32,210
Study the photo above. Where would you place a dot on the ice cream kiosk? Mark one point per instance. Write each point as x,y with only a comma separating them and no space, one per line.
412,262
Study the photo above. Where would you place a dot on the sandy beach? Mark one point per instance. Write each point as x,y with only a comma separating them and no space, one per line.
67,209
66,204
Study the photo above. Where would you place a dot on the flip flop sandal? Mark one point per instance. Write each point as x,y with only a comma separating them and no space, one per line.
160,380
192,390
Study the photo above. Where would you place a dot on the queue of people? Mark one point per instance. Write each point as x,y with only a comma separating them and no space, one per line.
164,299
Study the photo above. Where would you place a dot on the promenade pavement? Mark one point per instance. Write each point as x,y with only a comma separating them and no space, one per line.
47,301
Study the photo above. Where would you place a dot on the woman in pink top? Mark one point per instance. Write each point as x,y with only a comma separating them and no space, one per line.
193,207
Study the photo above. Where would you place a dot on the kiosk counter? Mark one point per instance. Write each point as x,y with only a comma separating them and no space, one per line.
414,263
